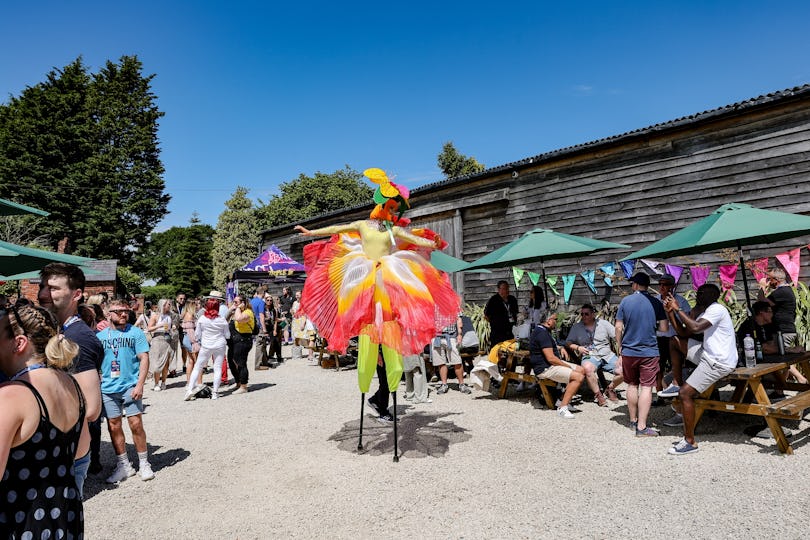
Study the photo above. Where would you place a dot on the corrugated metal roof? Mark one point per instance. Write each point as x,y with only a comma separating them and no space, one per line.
765,100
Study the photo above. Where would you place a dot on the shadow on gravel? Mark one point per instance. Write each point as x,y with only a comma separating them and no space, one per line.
420,435
159,459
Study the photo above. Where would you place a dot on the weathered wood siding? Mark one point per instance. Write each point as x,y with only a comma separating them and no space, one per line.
633,191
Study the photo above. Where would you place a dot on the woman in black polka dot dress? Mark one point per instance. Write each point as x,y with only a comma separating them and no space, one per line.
43,410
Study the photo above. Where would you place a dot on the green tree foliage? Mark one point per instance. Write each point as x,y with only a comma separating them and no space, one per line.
153,293
180,257
235,237
453,164
84,147
308,196
129,280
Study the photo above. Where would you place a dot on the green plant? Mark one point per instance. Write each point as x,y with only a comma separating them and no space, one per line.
802,293
738,310
480,323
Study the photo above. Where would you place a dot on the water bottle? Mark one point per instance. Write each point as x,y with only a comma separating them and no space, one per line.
758,350
750,354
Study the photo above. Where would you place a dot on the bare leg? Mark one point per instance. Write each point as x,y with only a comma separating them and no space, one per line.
687,395
117,435
459,373
138,433
573,386
677,355
644,404
632,402
443,373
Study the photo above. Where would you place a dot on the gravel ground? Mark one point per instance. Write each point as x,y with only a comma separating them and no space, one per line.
282,461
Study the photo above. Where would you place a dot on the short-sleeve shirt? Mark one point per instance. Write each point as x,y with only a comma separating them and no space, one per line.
123,346
683,304
598,340
719,341
784,309
640,313
257,306
91,353
541,339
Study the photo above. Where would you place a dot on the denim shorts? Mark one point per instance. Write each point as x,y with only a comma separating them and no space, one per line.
121,403
608,364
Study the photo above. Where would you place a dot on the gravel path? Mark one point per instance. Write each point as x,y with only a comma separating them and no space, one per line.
281,461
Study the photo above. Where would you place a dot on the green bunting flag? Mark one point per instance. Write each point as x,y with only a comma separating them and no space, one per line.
517,273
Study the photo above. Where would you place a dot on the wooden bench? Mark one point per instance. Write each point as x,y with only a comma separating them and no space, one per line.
519,360
791,408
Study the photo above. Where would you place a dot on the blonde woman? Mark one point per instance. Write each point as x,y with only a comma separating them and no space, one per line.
43,413
190,345
161,352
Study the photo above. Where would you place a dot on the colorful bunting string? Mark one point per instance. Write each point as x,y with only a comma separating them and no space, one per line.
654,266
534,277
628,267
517,273
588,276
609,269
760,268
675,271
699,275
552,284
568,283
791,261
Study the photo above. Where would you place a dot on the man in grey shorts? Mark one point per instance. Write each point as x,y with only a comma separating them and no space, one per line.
715,358
444,351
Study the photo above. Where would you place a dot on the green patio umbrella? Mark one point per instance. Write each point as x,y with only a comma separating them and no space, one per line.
540,245
448,263
10,208
731,225
16,259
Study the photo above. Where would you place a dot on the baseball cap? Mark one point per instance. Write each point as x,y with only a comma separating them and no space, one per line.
667,279
641,278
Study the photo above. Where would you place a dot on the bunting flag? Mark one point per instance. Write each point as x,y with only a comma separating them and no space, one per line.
654,266
728,274
517,273
628,267
609,269
534,277
791,260
675,271
760,268
552,284
568,282
588,276
699,275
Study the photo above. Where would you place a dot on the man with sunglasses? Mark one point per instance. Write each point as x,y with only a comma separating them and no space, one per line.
60,289
589,340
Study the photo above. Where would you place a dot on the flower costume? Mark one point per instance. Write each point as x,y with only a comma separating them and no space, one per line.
373,279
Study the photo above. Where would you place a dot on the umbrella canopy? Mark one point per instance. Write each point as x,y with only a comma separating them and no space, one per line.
542,245
447,263
10,208
273,260
731,225
16,259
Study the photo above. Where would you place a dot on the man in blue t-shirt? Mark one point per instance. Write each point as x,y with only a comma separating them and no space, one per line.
639,316
123,373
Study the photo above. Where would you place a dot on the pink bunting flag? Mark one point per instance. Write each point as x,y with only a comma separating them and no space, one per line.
675,271
760,268
728,274
699,275
790,261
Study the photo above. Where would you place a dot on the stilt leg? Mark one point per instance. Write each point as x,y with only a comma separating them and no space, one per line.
396,449
362,404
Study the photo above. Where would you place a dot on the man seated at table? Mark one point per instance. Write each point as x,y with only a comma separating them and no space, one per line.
547,364
589,340
716,357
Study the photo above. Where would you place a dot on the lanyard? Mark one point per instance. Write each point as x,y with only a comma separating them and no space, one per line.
72,319
25,370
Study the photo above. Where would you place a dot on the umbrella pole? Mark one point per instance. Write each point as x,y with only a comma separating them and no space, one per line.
745,281
396,449
362,403
545,288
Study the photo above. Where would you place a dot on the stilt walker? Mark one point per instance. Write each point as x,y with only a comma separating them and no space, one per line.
373,279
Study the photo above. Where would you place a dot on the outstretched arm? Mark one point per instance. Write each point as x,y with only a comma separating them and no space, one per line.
399,232
326,231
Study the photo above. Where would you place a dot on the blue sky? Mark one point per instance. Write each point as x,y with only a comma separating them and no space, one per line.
256,93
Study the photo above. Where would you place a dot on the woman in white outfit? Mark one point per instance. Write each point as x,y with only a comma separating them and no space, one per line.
211,332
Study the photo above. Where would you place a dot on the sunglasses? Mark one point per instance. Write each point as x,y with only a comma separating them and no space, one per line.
119,311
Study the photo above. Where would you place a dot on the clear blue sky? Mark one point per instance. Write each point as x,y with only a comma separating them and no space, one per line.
256,93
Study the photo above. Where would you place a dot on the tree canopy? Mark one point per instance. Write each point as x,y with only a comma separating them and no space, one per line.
453,164
308,196
84,147
235,237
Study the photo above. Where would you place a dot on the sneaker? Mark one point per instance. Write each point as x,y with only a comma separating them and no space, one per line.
563,412
214,395
121,473
682,448
443,389
385,418
671,391
262,368
146,472
570,407
675,421
374,406
156,388
611,394
435,378
464,389
766,433
520,387
163,385
646,432
189,396
634,425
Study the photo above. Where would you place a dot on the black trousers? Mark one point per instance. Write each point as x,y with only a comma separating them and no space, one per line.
237,361
382,395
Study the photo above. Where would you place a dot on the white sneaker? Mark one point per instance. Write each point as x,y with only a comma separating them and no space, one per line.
163,386
156,388
146,472
570,407
565,413
121,472
214,395
189,396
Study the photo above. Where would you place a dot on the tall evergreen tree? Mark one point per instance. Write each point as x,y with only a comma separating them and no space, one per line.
235,238
85,149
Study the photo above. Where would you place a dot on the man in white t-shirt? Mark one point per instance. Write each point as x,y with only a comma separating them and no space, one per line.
716,358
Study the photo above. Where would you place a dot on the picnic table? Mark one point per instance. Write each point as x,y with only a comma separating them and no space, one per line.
751,379
515,366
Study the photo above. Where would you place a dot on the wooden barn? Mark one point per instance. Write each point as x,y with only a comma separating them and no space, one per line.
632,188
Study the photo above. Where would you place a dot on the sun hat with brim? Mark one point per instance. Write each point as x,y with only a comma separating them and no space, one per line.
216,295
